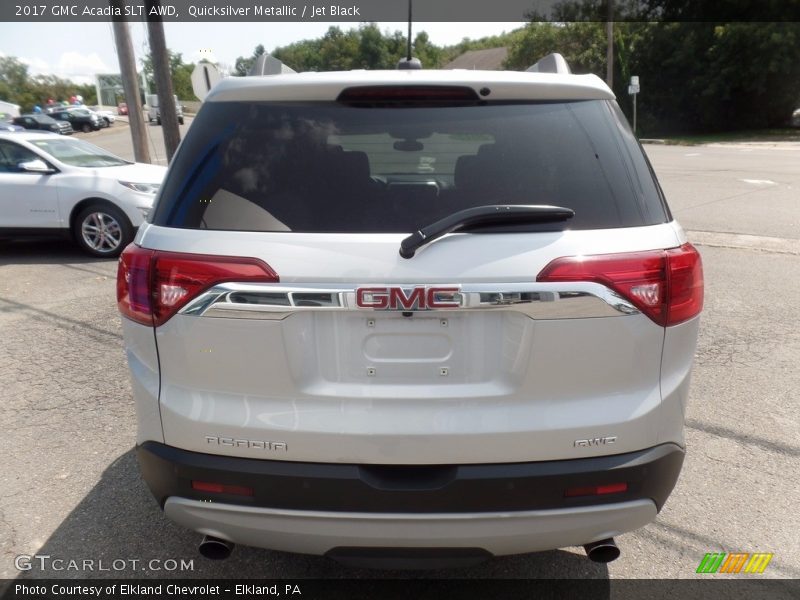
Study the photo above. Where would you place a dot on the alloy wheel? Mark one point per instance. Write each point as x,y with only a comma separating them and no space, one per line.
101,232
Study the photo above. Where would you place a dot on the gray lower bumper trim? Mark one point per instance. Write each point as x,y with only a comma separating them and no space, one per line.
313,532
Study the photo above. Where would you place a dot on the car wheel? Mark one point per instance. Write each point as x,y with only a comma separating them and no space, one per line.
158,121
102,230
180,120
86,128
108,122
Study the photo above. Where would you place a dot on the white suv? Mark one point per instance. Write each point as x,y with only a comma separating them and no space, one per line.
411,317
56,186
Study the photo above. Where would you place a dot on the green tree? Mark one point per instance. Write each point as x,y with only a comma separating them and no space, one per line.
372,48
13,75
429,54
18,86
581,44
15,83
89,93
369,48
243,65
300,56
718,76
180,71
695,76
484,43
339,51
50,86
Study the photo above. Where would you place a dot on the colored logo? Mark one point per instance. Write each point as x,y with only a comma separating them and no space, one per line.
741,562
418,298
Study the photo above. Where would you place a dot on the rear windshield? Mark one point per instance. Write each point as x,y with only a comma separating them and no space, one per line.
328,167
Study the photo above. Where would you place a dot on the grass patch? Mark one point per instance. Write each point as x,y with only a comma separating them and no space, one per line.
758,135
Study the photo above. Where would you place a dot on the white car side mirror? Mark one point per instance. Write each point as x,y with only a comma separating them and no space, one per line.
36,166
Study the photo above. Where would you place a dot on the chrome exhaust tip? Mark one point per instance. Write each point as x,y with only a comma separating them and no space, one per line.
215,548
603,551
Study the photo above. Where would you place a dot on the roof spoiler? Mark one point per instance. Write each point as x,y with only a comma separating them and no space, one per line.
266,64
552,63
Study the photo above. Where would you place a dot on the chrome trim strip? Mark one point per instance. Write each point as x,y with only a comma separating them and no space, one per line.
276,301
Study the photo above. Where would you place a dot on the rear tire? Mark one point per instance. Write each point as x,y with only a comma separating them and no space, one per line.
86,128
180,120
102,230
158,121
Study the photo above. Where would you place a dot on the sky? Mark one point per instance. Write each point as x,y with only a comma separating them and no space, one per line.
77,51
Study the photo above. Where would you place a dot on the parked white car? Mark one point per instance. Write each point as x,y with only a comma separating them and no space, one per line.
108,116
55,185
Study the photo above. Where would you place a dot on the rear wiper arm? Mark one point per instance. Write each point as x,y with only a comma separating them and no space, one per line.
483,215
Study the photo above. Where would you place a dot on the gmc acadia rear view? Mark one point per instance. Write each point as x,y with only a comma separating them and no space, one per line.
411,316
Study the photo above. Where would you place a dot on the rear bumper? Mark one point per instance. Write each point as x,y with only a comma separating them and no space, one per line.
649,474
502,508
498,533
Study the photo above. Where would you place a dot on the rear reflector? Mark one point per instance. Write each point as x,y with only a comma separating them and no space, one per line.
596,490
221,488
666,285
153,285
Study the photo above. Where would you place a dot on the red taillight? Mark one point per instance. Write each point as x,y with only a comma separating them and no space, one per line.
153,285
666,285
133,284
222,488
685,284
596,490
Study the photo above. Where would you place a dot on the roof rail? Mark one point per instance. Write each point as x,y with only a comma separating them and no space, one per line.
552,63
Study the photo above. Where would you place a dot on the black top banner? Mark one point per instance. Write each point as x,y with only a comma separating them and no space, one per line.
397,10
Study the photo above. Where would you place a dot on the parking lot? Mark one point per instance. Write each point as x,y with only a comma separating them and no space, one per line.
71,487
117,139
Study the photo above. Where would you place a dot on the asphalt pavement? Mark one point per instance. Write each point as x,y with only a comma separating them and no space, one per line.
71,489
117,138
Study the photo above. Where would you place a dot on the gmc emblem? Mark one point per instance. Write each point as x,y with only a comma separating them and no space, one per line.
418,298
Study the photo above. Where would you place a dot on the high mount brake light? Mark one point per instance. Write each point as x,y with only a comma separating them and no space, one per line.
666,285
153,285
415,95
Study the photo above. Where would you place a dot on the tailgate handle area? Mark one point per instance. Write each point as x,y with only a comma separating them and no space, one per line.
407,478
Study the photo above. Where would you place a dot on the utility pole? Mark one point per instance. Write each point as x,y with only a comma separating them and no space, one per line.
163,77
130,85
610,47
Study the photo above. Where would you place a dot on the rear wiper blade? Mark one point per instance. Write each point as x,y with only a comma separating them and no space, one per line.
483,215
